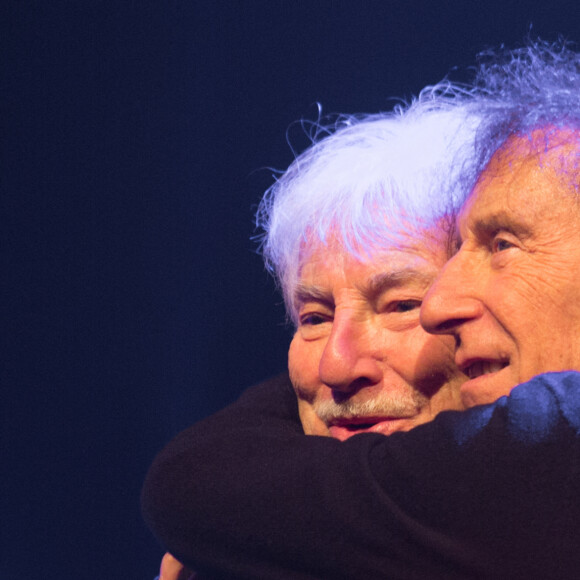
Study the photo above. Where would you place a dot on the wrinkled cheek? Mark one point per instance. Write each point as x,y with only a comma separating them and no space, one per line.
303,363
311,422
528,312
523,292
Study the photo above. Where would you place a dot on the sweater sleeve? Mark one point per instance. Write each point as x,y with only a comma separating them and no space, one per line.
488,493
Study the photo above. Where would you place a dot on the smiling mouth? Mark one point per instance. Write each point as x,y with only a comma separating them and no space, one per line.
484,367
357,426
386,426
354,423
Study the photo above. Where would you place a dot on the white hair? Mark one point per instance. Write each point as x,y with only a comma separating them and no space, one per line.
369,181
373,178
536,86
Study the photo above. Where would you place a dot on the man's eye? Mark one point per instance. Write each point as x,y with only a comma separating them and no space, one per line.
312,319
405,305
500,245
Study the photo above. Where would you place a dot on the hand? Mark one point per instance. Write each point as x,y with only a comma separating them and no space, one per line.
172,569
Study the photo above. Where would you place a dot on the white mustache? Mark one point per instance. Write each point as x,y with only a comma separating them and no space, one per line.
382,405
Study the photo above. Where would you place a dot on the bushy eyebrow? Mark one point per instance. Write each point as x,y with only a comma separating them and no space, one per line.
372,288
383,281
493,223
311,293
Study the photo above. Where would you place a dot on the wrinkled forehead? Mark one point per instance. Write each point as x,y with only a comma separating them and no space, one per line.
429,244
553,147
381,238
424,250
553,151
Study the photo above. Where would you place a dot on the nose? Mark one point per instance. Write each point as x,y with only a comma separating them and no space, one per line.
351,359
452,299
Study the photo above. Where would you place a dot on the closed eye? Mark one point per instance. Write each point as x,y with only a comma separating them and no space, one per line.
404,305
312,320
314,325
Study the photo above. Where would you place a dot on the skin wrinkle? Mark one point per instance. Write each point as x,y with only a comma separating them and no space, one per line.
359,353
378,284
512,292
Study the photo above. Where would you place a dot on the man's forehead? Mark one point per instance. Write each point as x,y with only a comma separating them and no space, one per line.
388,265
514,169
371,286
404,250
373,246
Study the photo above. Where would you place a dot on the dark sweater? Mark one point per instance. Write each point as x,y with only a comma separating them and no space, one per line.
493,492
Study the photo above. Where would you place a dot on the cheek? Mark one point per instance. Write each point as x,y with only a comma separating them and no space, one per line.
524,290
532,307
439,350
303,362
417,355
541,284
436,374
433,355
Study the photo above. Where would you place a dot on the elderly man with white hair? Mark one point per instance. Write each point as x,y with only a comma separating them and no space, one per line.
486,493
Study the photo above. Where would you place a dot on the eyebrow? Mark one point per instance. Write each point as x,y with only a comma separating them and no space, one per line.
378,283
311,293
500,221
383,281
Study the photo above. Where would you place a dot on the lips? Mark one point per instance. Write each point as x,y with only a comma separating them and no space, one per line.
482,367
488,379
344,429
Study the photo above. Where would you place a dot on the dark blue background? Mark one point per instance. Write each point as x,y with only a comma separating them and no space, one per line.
134,141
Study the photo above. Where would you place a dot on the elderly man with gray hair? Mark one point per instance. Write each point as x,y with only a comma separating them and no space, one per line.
486,493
